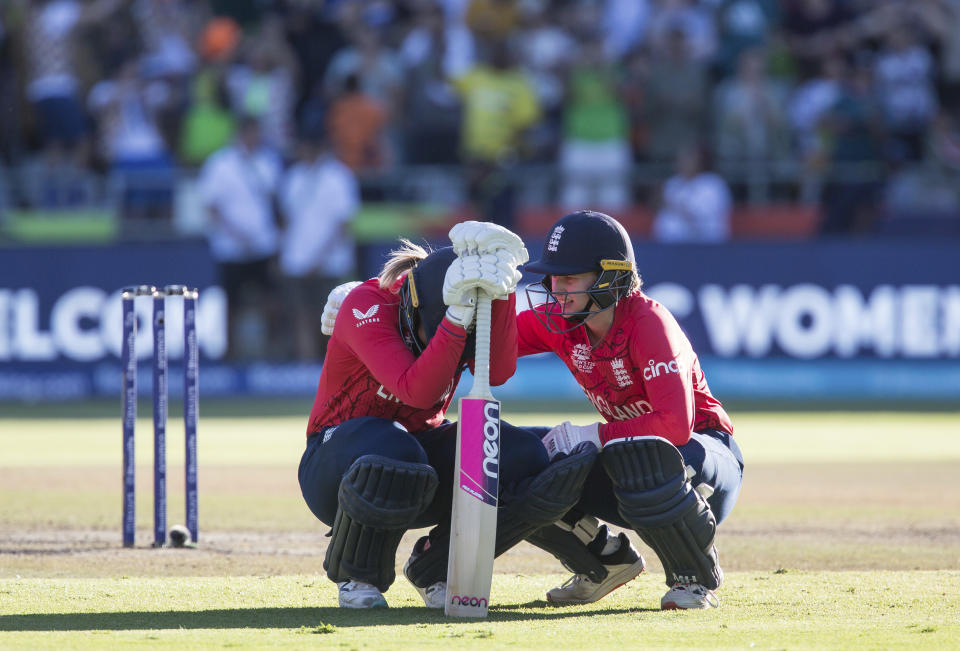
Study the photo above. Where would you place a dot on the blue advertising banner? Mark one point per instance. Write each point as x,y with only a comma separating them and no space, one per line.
874,320
809,300
62,304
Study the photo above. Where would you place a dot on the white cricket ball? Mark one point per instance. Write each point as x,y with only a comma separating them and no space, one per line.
179,536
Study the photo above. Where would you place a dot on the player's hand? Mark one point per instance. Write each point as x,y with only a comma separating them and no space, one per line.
565,437
483,237
460,291
462,315
332,307
493,273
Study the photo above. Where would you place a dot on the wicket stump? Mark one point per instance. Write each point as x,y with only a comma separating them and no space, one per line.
160,405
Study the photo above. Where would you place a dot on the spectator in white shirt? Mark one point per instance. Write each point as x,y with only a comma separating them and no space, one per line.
811,100
53,85
52,29
750,114
904,73
693,19
696,202
264,86
126,106
320,198
237,186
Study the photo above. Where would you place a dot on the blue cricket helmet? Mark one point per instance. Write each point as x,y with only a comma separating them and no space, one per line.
581,242
421,302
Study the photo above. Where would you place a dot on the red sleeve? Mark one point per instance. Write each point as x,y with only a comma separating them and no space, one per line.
670,394
530,334
503,329
416,381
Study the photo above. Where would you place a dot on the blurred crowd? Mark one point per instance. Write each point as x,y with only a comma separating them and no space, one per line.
849,103
278,119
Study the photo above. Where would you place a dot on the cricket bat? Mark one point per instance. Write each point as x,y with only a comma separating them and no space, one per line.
473,524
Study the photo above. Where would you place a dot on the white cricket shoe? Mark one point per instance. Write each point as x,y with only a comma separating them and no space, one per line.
434,596
623,566
354,594
689,596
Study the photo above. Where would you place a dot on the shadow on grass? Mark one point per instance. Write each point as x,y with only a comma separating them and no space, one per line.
276,618
581,610
68,550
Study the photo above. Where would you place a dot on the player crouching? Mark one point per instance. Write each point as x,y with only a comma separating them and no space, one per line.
380,454
670,469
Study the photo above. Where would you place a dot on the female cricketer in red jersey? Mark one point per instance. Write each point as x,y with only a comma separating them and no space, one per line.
380,453
670,469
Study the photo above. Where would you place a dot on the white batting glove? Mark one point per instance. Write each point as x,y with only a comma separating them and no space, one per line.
565,437
332,307
461,315
507,274
460,291
493,273
483,237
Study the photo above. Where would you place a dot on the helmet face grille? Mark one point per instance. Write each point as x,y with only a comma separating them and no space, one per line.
552,318
582,242
609,288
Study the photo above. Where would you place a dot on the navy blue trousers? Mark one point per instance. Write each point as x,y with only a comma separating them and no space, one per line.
714,456
333,450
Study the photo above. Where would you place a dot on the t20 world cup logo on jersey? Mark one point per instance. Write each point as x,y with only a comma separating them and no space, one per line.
580,356
480,449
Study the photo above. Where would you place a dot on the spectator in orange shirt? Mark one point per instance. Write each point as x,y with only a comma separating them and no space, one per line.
492,20
357,124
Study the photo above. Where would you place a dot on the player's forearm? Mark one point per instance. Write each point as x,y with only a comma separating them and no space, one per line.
528,331
503,352
425,382
419,382
673,427
671,416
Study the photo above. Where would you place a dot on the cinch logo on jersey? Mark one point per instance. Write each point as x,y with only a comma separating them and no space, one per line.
491,443
656,369
555,238
458,600
617,412
366,317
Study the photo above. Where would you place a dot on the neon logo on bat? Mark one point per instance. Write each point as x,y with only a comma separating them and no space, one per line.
480,449
457,600
491,444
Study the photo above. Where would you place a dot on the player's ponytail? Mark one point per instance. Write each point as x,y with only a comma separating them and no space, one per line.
401,260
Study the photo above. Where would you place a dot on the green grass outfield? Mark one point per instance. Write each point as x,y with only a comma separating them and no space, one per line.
787,610
847,535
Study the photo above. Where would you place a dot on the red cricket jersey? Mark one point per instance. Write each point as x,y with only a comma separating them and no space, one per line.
643,378
369,371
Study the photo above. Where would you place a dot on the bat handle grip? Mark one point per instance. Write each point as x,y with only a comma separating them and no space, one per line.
481,363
